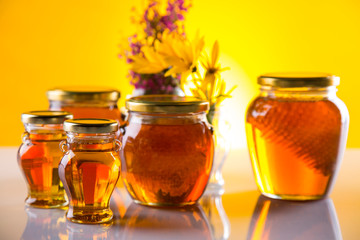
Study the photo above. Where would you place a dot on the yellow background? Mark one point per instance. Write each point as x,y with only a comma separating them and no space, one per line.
44,44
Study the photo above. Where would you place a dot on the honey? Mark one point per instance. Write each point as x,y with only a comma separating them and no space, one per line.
86,102
296,139
166,157
39,157
90,169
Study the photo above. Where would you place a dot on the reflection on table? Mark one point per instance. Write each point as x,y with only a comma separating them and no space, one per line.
219,223
206,220
44,224
278,219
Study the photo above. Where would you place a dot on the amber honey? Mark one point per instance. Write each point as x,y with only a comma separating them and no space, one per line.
94,112
86,102
39,157
167,163
39,162
167,154
296,142
89,170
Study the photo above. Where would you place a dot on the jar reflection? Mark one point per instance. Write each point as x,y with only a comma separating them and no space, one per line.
44,224
216,215
88,231
144,222
277,219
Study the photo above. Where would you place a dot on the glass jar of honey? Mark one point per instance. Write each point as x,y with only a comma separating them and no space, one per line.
167,150
39,156
296,131
90,168
86,102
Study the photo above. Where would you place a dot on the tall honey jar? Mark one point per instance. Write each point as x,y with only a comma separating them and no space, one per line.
90,168
296,132
167,150
86,102
39,156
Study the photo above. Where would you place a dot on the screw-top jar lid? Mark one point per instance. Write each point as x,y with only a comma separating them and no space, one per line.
91,125
298,79
166,104
83,93
45,117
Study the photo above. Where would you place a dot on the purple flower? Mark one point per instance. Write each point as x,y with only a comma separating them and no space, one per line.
155,23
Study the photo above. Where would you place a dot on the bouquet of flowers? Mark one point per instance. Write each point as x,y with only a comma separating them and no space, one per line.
163,60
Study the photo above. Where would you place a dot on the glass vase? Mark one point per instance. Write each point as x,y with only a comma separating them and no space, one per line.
221,128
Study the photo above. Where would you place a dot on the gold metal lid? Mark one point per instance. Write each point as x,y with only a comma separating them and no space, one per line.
166,104
91,125
45,117
298,79
83,93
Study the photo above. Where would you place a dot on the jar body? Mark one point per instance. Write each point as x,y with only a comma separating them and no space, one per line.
296,140
89,109
166,159
89,170
38,157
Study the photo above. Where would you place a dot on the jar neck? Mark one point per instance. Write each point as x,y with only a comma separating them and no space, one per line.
80,104
91,142
45,132
304,93
166,118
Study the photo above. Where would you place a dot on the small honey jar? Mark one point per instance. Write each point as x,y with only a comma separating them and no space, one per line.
90,168
296,131
167,151
39,156
86,102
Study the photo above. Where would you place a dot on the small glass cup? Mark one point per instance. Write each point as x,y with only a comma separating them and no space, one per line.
296,130
90,168
39,157
168,150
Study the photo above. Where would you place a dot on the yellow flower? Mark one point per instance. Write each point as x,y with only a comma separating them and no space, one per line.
212,87
211,65
149,63
180,53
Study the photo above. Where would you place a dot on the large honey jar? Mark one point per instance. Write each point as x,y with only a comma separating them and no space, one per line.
86,102
167,150
90,168
39,156
296,131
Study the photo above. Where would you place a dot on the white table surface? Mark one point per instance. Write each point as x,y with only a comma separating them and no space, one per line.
250,215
